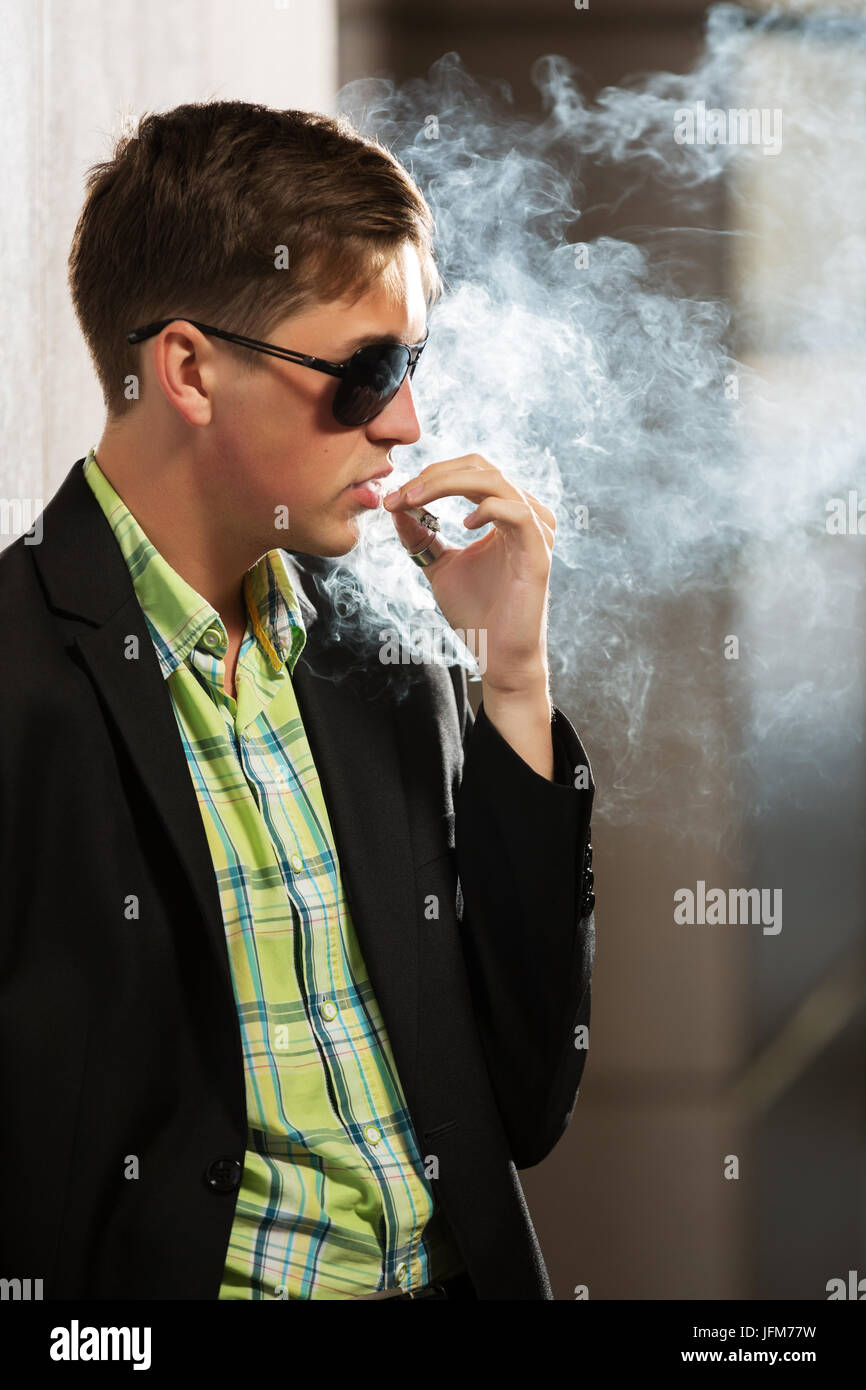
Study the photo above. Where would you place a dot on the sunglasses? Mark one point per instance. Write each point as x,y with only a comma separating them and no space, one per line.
368,381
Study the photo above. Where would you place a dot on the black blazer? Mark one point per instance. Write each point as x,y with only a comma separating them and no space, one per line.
119,1035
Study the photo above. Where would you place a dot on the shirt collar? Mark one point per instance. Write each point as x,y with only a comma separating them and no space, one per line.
178,617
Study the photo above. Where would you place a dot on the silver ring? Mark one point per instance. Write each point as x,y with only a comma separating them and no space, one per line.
425,557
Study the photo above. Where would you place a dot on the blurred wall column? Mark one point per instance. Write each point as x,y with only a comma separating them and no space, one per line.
75,74
798,278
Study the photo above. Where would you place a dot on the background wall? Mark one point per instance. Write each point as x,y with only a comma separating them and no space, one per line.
73,73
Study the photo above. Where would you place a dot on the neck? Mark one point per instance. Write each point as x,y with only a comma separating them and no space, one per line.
184,517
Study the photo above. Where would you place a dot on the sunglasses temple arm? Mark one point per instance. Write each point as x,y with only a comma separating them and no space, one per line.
284,354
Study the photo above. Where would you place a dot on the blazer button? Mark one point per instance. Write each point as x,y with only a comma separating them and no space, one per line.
224,1174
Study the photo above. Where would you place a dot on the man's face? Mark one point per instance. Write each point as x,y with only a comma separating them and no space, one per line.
273,431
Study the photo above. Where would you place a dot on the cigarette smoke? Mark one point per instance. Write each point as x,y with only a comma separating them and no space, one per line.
704,431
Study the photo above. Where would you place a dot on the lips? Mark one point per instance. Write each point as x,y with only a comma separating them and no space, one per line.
377,478
369,494
369,491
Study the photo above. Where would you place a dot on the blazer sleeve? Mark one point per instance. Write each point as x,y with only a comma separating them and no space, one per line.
526,907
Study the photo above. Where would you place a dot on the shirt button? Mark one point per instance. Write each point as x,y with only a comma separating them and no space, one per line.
400,1274
224,1174
212,637
296,862
329,1009
372,1134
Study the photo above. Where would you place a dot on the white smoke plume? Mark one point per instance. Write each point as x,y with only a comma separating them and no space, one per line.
705,433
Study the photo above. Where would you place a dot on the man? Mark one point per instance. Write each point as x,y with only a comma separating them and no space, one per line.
296,973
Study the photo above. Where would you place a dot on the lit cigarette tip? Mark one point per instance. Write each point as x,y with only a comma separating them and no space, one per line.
426,518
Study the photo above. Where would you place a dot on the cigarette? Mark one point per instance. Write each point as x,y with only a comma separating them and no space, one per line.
426,518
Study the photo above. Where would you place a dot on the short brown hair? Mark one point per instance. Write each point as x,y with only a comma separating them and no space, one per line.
186,217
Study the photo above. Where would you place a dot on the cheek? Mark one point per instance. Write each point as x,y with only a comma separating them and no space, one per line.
303,470
293,451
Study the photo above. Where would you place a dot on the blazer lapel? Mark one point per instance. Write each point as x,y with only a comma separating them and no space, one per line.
352,740
85,575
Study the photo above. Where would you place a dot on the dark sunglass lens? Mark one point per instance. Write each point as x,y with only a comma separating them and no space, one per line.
374,377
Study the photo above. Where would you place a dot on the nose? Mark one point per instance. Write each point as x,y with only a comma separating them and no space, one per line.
398,421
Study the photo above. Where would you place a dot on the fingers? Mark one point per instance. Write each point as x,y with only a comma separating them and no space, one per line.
519,522
469,476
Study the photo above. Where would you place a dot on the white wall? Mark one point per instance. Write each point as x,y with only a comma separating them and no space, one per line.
72,74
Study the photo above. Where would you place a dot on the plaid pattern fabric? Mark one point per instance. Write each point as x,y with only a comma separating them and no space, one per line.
334,1202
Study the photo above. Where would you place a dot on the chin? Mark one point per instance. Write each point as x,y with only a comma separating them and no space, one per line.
329,547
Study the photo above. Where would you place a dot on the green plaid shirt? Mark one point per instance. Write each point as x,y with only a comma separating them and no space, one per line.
334,1202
